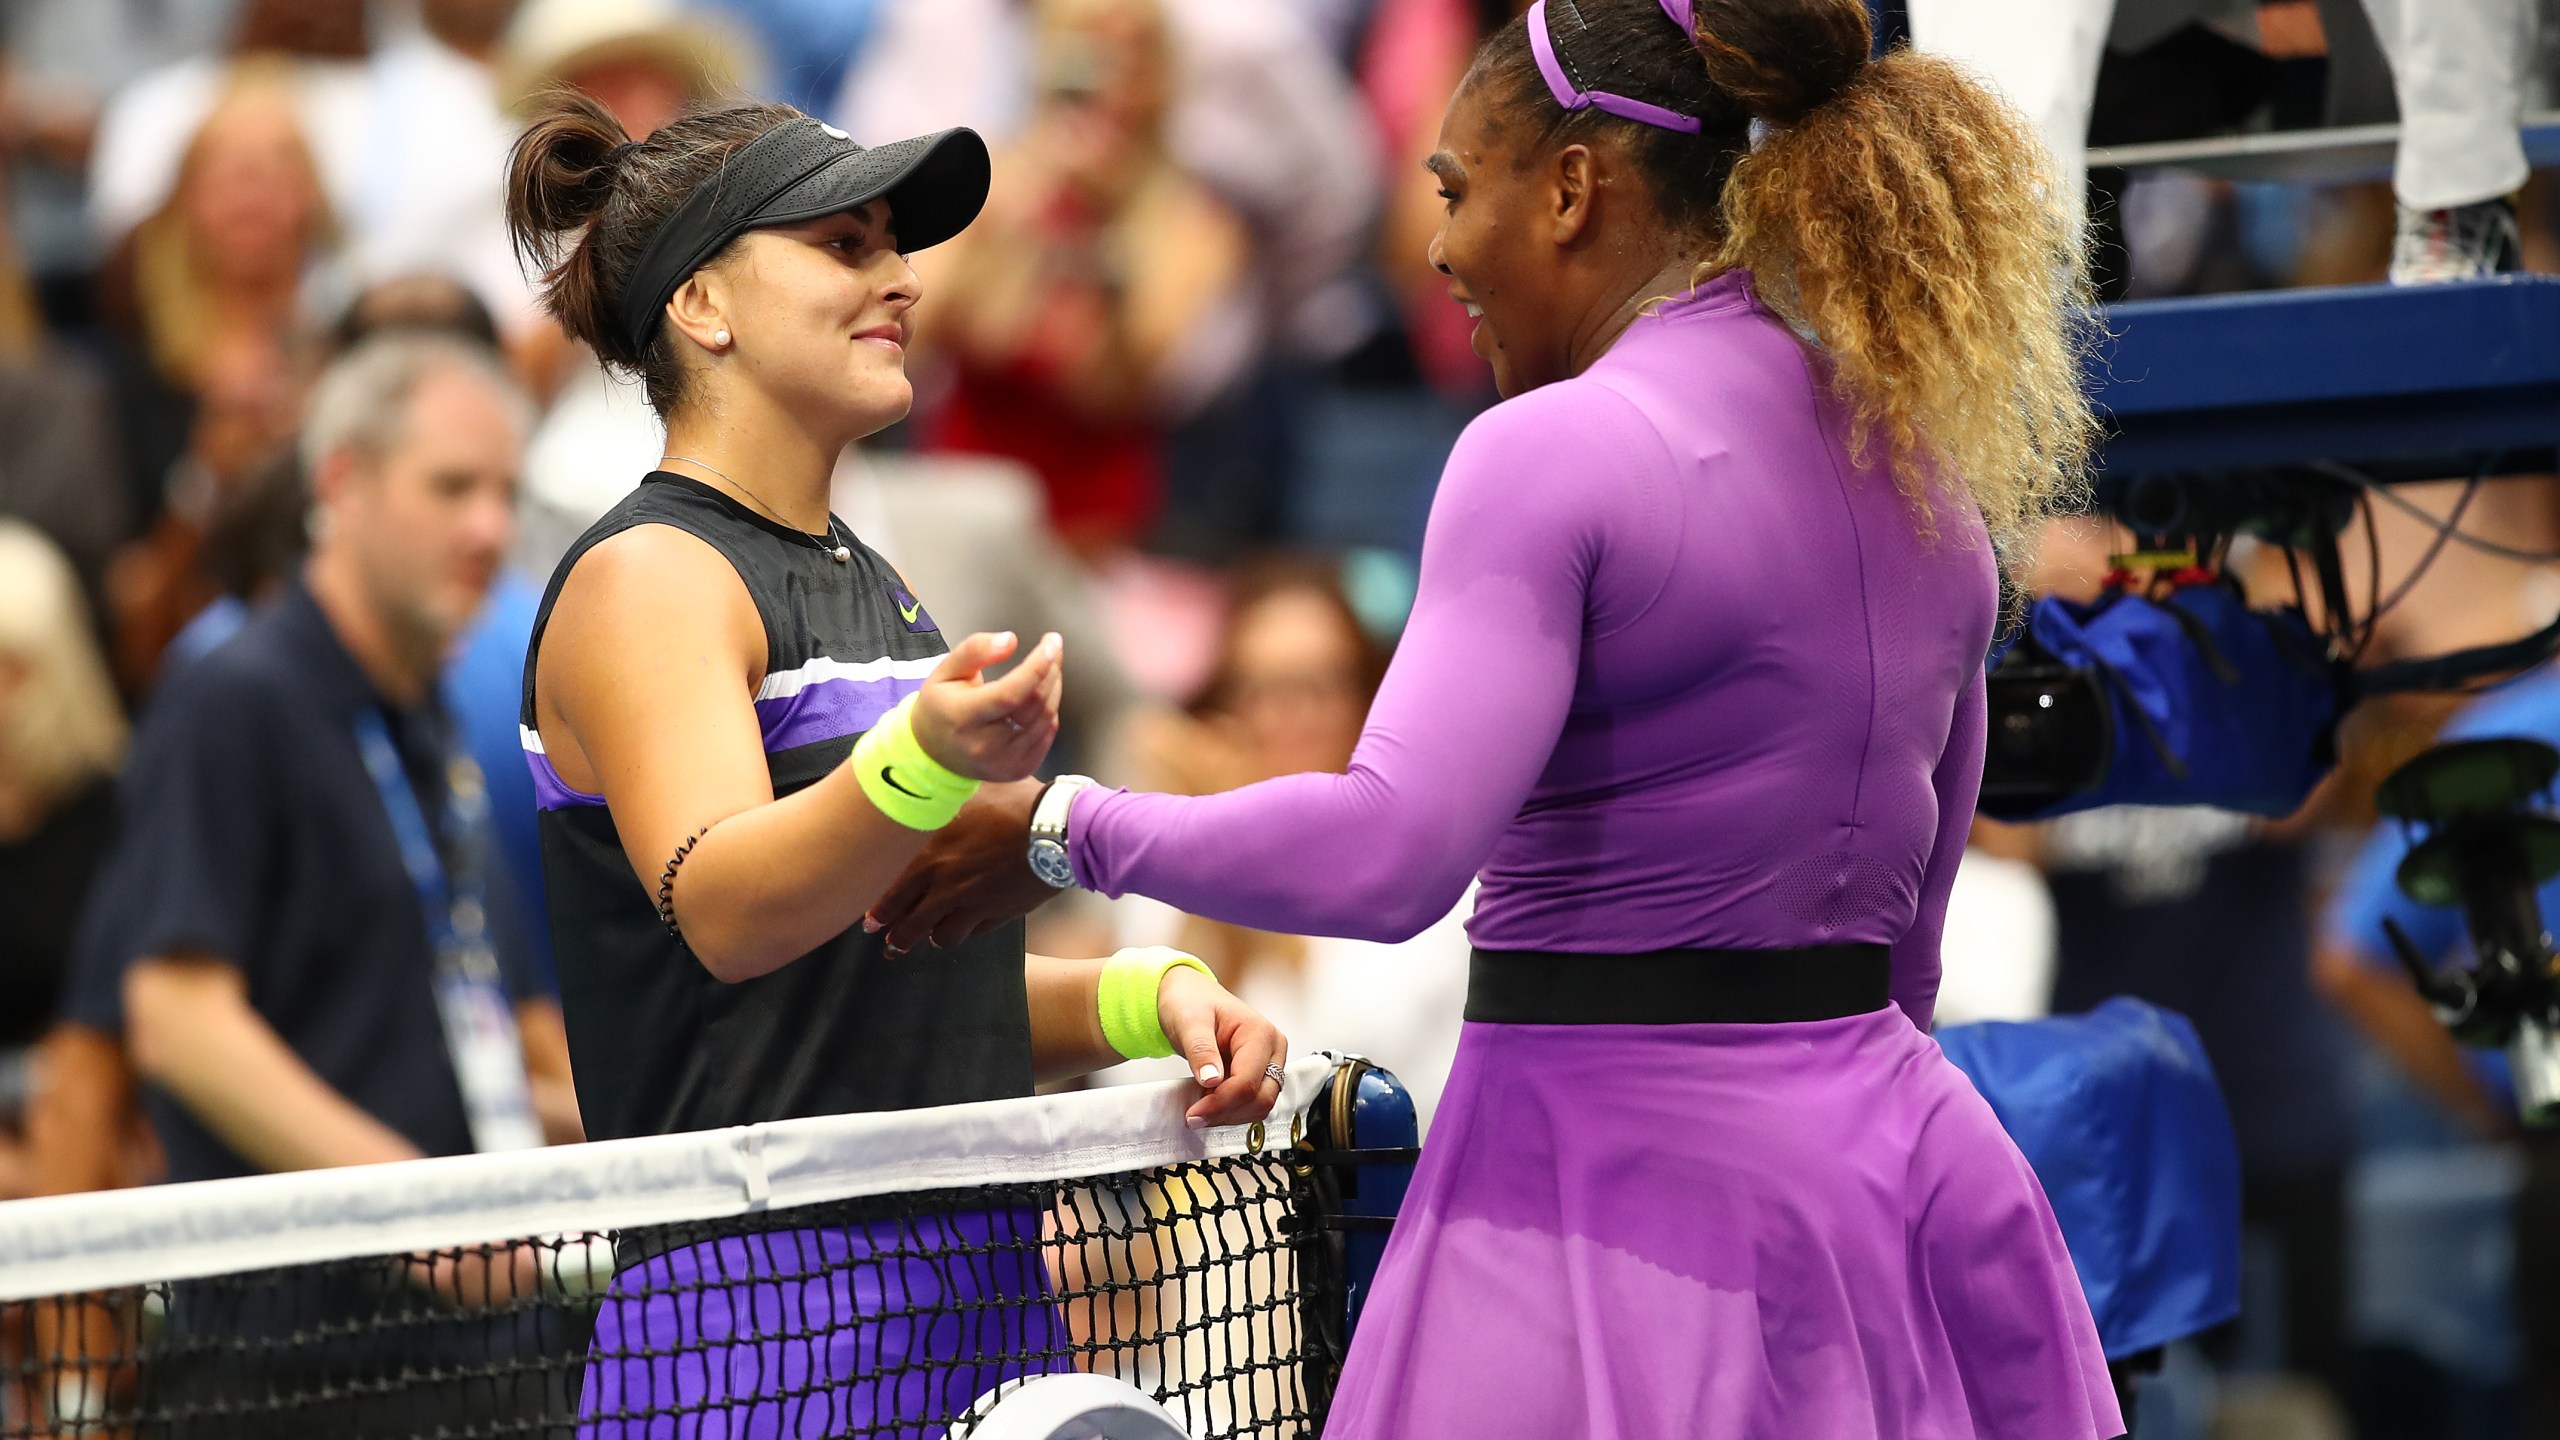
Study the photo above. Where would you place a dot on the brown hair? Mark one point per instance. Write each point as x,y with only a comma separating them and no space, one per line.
1895,212
582,202
1265,578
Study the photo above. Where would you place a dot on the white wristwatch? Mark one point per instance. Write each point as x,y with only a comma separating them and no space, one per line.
1049,830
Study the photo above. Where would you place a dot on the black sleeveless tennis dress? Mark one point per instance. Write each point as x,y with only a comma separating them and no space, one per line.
659,1045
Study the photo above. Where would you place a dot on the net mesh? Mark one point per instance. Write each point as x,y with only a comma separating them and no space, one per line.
1204,1283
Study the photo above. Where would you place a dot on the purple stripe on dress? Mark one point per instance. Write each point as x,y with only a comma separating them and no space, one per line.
830,710
550,792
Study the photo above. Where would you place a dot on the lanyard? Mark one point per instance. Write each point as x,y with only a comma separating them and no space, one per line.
471,998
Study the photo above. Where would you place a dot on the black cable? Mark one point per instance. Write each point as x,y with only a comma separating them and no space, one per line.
2410,507
2452,523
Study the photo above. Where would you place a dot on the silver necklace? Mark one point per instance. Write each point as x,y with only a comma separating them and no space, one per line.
826,542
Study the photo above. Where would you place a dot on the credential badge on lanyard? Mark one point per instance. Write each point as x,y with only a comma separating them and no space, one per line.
471,997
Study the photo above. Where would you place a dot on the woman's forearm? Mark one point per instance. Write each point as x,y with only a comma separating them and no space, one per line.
768,885
1066,1017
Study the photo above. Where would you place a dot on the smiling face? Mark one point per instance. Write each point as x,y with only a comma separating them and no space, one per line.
1496,243
819,315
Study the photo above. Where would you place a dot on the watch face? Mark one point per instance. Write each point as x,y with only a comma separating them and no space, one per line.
1049,862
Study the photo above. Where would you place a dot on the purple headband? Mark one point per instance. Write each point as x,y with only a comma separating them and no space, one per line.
1543,46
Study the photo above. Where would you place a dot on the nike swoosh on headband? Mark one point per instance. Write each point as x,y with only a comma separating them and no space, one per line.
1542,47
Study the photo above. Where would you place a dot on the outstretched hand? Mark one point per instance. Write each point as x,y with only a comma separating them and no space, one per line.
992,729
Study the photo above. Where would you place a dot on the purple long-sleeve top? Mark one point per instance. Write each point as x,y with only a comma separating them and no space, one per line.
1679,673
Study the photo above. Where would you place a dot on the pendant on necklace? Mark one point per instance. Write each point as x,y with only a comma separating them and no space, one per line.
843,554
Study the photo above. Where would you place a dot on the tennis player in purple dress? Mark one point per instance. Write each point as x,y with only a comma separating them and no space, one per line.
1694,683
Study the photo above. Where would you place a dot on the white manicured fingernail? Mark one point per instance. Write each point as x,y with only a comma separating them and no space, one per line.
1208,1075
1195,1122
870,926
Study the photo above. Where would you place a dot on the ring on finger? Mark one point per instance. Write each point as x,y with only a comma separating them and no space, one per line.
1278,1072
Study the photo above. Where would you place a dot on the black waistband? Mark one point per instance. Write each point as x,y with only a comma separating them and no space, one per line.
1678,987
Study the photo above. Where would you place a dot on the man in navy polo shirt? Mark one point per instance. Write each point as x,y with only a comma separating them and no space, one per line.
320,961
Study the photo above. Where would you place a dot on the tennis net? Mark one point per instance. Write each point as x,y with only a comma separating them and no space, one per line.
857,1275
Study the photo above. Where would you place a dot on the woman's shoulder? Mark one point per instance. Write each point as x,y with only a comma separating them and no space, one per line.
657,538
1583,426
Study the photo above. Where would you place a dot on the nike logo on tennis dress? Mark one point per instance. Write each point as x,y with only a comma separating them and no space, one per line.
910,610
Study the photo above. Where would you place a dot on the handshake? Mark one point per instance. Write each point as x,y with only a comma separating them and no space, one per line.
974,872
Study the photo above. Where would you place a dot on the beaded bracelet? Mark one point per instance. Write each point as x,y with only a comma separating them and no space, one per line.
667,883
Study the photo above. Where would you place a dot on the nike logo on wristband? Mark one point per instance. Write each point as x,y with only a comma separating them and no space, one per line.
889,777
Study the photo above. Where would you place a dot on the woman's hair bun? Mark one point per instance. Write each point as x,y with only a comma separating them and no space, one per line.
1781,59
561,173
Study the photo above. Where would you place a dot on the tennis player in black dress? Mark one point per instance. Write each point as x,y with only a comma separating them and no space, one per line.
742,726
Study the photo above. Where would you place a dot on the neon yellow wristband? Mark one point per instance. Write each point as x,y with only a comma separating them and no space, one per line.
1130,980
908,785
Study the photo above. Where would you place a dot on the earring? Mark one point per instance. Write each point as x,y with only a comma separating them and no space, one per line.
720,337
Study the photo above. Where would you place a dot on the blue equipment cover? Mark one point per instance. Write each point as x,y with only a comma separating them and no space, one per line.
2208,701
2120,1115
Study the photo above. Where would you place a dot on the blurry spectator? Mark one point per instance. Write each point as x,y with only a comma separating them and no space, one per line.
215,293
292,987
1292,685
644,60
61,739
316,51
1102,293
214,299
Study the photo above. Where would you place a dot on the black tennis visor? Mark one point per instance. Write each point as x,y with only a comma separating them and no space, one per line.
799,170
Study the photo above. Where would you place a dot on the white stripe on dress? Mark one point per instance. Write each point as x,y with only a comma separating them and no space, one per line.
784,683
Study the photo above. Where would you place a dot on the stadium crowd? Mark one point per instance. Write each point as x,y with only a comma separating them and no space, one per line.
285,442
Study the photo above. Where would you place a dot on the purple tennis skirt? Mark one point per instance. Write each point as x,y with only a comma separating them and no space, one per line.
887,1328
1722,1232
